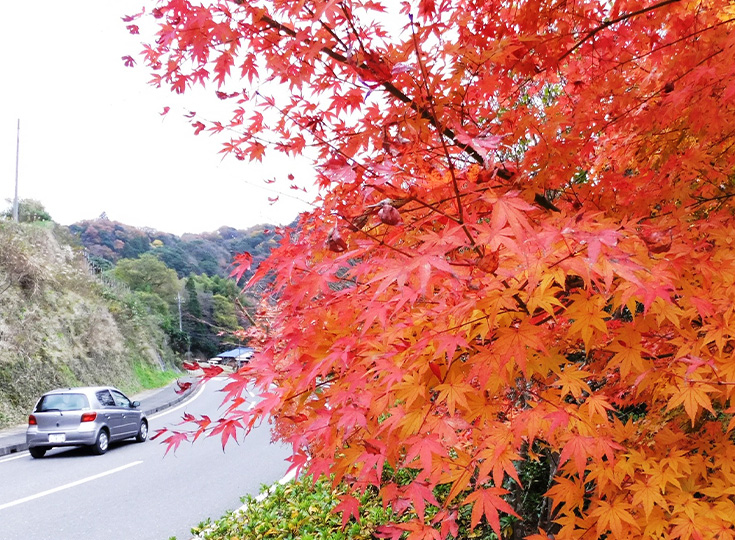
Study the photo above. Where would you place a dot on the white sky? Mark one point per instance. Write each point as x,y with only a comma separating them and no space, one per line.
92,139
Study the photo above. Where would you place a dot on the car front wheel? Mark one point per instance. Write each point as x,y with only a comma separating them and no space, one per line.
37,452
103,441
142,432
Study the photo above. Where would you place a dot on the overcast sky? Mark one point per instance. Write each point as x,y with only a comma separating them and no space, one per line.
92,139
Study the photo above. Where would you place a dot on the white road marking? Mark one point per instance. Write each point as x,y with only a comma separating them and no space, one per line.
290,475
14,456
67,486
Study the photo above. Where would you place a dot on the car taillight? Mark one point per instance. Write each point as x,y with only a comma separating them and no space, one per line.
88,416
32,421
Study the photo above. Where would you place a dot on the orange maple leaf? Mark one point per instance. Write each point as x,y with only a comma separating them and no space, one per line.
614,517
694,397
487,502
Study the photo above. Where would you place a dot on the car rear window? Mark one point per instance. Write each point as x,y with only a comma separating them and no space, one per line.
62,402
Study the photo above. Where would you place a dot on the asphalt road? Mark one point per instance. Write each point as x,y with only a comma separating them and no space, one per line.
133,492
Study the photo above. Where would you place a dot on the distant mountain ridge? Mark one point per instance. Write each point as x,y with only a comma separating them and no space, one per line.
209,253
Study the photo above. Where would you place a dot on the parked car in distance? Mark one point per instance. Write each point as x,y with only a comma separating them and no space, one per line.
92,416
206,363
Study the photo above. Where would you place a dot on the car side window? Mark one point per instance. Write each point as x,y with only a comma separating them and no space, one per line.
105,398
121,400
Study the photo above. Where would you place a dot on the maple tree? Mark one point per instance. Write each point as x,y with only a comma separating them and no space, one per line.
523,252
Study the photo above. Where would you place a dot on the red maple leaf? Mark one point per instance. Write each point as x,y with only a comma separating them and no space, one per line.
173,441
182,387
242,263
227,429
349,507
209,372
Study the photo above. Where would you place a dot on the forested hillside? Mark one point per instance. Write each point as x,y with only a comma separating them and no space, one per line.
183,279
62,325
208,253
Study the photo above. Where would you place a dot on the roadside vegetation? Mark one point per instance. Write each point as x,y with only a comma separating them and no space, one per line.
150,377
319,510
310,510
300,509
60,325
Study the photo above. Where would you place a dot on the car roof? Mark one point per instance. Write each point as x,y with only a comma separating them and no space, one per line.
80,389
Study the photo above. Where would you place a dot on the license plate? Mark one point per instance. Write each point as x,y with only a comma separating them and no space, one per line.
56,437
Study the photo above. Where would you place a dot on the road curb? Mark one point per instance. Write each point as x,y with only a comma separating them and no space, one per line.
288,477
13,449
185,394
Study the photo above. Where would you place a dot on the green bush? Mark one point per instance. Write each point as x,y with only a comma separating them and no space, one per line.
298,510
29,210
305,511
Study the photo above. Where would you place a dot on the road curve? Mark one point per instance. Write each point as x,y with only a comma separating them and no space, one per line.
134,492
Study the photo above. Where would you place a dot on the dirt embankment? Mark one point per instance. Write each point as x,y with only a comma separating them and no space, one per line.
61,326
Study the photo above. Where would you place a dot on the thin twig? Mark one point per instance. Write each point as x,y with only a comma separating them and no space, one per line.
604,25
388,87
450,163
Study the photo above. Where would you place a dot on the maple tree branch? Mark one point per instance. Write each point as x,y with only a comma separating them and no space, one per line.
672,43
606,24
316,385
717,382
434,116
372,237
329,29
431,206
389,87
245,312
718,198
351,22
450,163
320,138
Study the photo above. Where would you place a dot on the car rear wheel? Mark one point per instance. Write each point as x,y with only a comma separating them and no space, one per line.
103,441
37,452
142,432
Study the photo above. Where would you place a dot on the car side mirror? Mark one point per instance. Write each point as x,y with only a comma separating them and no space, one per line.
135,404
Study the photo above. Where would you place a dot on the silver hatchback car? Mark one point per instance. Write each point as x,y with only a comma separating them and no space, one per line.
90,416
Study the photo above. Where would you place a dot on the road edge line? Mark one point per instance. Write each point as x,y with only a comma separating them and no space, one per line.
51,491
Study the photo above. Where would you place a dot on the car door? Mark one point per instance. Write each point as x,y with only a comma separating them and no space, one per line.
112,413
130,415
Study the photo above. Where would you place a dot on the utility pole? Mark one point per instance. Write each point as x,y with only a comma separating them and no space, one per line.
178,297
17,153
